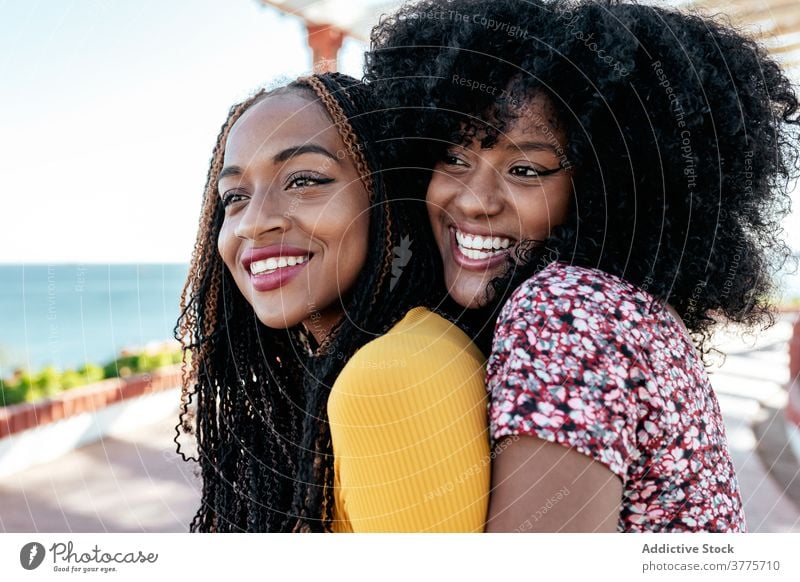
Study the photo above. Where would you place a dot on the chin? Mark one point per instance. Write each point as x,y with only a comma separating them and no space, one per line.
471,297
279,320
468,289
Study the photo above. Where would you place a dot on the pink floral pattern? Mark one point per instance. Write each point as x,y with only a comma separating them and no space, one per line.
585,359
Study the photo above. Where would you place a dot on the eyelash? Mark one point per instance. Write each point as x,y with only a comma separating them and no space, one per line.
536,173
229,196
453,160
226,197
450,160
318,180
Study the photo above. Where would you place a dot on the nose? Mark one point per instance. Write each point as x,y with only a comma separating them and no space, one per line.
264,214
479,194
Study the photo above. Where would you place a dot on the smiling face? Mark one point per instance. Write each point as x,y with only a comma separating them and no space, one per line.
482,202
295,231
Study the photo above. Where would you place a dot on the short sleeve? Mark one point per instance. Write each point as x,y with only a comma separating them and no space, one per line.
563,367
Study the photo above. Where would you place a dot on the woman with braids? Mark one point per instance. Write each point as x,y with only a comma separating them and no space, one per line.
614,176
329,396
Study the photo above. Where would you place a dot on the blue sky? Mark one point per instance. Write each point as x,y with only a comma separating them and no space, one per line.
111,110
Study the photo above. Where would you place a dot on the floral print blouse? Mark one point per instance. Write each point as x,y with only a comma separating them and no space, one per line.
587,360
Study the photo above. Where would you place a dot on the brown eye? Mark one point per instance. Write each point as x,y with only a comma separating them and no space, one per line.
531,172
451,159
306,181
230,197
524,171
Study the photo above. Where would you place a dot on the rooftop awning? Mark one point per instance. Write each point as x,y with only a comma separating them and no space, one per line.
354,17
776,23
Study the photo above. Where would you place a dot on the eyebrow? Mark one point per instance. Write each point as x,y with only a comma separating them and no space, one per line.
282,156
295,151
229,171
531,146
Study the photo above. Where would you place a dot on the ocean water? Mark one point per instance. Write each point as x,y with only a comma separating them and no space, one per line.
68,315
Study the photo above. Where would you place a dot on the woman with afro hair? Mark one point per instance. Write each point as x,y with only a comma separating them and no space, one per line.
612,177
324,391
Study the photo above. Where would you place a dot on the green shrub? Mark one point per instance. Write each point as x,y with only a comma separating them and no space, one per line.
11,393
72,379
48,381
123,366
91,373
155,361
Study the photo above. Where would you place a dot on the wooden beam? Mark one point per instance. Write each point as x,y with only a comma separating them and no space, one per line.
789,25
781,48
773,9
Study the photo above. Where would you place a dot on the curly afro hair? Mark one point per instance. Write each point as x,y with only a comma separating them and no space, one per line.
682,134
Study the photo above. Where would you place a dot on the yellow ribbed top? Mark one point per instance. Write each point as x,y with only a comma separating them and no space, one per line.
409,432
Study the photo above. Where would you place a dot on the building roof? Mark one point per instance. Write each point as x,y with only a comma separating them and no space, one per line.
776,23
354,17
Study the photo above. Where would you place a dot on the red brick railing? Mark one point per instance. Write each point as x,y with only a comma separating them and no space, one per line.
90,398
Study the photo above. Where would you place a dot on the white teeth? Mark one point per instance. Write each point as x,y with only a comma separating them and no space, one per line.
472,246
273,264
475,254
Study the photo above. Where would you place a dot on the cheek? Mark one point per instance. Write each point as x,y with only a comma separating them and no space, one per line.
563,203
355,251
435,202
347,254
548,210
345,231
227,244
435,218
436,197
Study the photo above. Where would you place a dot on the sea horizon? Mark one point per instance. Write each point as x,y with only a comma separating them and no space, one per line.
69,314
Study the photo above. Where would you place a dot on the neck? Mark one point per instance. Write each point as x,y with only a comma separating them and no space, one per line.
320,324
677,317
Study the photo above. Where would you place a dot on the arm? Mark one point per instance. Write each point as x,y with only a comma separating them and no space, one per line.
563,391
409,429
539,486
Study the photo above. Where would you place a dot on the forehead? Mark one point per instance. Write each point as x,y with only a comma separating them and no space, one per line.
534,118
535,115
280,121
531,118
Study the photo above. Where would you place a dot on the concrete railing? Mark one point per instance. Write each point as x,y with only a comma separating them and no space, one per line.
32,433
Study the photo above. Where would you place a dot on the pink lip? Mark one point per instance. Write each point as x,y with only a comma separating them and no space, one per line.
276,279
280,277
475,264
